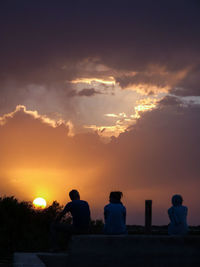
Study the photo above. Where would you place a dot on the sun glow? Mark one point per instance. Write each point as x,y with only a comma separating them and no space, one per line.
39,202
144,105
109,81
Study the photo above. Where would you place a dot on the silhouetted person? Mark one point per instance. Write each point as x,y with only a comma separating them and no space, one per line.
80,212
115,215
178,217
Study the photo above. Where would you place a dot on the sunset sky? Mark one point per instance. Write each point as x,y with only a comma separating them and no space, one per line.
101,96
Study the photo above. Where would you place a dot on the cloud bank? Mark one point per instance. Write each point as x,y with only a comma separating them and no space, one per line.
155,158
149,47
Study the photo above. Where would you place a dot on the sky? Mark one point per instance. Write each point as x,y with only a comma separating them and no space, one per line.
101,96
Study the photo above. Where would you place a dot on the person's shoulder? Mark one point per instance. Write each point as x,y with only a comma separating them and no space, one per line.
83,202
185,207
121,206
181,207
68,205
107,206
170,209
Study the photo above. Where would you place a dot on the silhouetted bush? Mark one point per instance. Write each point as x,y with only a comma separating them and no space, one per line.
24,228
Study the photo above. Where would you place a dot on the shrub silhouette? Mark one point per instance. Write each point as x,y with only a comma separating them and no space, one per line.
24,228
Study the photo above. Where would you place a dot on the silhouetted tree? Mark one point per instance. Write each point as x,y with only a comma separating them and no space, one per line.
22,227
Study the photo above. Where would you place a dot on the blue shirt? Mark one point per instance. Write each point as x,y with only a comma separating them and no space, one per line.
178,220
115,219
80,212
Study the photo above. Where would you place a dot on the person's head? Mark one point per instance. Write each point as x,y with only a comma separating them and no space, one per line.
74,194
116,196
177,200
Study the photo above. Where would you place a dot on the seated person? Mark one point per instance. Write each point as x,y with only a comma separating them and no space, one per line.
115,215
178,217
80,212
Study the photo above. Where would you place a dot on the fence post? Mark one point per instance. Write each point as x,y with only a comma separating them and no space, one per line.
148,216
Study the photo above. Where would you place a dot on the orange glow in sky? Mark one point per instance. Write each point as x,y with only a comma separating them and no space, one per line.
39,159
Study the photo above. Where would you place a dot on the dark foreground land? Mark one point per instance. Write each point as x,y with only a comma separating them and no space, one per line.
157,249
134,249
117,251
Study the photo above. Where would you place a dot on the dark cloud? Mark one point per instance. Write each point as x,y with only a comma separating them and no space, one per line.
88,92
162,147
143,78
42,42
190,85
83,92
170,101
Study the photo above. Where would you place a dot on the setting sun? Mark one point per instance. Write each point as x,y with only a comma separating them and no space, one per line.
39,202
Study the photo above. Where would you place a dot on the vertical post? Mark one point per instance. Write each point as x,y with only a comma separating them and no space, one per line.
148,216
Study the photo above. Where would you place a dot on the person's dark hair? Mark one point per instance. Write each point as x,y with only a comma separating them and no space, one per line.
177,200
74,194
115,196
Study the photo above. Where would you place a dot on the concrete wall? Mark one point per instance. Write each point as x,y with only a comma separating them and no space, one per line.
130,250
135,251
